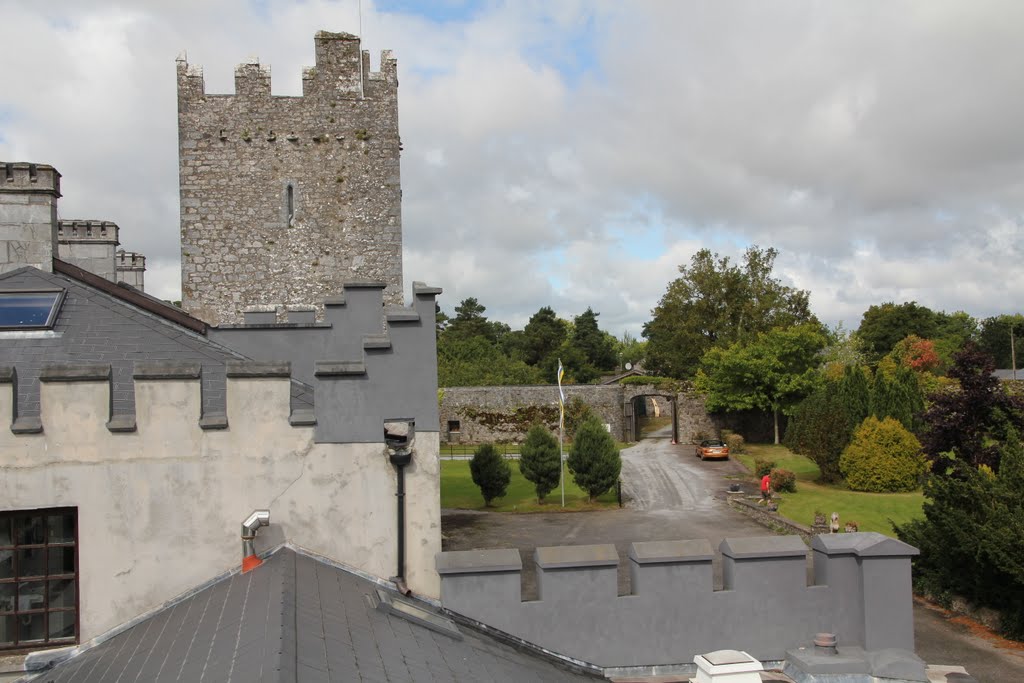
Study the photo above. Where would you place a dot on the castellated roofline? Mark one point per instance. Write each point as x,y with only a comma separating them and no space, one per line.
339,63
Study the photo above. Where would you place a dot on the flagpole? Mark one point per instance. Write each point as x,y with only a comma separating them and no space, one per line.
561,429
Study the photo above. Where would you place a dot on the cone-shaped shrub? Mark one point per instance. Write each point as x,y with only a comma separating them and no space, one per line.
538,460
594,459
491,472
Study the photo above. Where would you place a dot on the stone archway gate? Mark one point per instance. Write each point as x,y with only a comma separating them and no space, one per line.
630,418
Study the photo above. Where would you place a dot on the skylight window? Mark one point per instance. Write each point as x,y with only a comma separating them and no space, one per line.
29,310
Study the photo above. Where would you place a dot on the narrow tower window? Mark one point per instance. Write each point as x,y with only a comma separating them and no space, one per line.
290,203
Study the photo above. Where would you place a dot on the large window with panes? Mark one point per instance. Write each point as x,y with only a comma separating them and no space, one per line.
38,578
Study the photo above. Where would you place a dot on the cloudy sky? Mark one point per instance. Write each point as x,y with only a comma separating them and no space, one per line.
574,153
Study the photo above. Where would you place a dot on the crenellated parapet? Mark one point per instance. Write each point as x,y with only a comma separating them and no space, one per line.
341,69
861,593
98,231
26,178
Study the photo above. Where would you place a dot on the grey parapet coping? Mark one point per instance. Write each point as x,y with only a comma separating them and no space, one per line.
400,314
301,316
671,552
478,561
213,421
376,341
273,326
8,375
302,418
370,284
566,556
28,424
862,544
121,424
337,300
252,368
763,546
78,372
339,368
259,317
422,289
167,370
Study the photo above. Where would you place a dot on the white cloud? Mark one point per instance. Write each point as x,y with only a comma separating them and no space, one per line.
876,145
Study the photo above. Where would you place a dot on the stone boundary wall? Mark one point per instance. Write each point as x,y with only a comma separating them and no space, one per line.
861,592
160,501
505,413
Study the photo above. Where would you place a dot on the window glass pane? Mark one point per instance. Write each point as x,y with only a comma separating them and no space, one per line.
6,564
5,531
26,309
62,624
6,597
31,562
7,630
33,627
29,530
62,593
62,560
30,595
62,528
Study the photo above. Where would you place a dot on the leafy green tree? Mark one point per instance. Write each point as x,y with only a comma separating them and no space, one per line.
630,350
773,372
491,472
594,459
883,457
994,339
970,537
596,345
478,362
884,325
543,335
539,460
716,302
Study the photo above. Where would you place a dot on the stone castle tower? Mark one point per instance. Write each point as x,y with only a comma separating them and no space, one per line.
283,199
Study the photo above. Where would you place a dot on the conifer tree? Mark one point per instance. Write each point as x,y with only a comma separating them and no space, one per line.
594,459
539,460
491,472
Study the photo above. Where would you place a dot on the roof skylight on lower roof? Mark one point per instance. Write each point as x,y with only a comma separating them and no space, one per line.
29,309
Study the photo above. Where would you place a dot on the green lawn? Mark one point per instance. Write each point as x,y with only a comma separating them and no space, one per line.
871,511
459,491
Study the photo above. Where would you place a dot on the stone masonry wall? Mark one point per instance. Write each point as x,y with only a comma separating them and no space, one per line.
28,215
285,198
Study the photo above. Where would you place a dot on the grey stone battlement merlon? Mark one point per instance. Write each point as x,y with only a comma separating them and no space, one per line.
673,611
27,178
252,80
130,260
78,230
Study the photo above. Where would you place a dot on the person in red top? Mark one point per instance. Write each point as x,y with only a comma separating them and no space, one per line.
766,487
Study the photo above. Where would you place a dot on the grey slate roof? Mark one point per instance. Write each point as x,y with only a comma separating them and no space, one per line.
95,327
295,619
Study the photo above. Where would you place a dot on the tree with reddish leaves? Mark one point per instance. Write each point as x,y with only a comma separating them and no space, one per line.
970,424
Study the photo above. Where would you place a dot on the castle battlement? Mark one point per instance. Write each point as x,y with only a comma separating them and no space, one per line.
861,592
25,178
341,69
130,260
74,230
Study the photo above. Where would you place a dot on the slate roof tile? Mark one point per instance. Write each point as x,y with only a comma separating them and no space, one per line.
297,620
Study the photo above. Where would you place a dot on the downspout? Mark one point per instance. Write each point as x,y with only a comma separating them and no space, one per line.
398,437
253,522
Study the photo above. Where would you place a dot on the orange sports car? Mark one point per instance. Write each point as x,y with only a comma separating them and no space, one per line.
712,448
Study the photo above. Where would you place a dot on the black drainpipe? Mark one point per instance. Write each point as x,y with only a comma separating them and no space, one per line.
400,455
